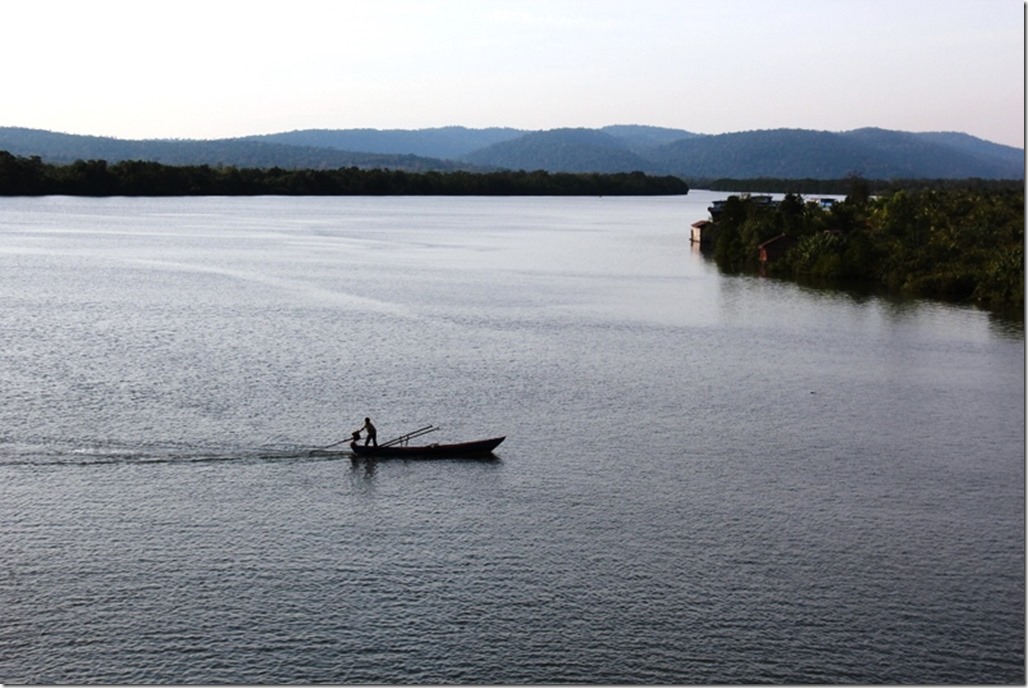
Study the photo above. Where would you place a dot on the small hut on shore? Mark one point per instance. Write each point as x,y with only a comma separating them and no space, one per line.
703,232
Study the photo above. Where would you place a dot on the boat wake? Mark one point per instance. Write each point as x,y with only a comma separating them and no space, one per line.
62,454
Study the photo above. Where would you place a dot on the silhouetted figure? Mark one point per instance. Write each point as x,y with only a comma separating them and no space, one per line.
372,435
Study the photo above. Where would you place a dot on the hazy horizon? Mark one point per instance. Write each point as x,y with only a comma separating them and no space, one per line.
197,70
452,126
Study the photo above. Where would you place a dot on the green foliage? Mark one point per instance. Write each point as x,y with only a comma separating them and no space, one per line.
853,186
21,175
818,255
32,177
958,244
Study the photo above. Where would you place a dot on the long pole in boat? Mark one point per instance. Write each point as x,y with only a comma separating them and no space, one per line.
334,444
410,435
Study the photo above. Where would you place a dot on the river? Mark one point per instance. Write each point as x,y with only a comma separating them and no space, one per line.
706,478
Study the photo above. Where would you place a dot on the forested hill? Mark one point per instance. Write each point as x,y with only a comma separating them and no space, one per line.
564,150
443,143
870,153
778,153
59,148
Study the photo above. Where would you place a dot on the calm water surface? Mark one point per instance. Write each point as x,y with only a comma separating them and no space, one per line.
706,478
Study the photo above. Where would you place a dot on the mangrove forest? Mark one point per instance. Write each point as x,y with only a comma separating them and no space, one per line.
20,176
957,244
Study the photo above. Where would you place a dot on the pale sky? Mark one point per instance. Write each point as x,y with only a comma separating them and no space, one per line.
215,68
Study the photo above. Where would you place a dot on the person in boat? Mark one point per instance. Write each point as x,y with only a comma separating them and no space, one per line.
372,434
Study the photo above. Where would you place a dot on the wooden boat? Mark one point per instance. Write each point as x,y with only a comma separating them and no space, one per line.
462,450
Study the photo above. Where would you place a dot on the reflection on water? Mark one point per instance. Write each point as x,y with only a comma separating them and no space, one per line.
706,478
366,469
890,303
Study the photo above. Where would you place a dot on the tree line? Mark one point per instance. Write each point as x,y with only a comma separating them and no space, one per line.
962,244
844,186
21,176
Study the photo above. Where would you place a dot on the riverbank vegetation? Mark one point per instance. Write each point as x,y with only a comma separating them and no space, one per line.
20,176
962,241
962,244
844,186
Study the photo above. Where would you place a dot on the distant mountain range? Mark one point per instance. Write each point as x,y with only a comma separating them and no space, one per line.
778,153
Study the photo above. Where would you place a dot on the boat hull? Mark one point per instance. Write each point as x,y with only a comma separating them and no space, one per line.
477,449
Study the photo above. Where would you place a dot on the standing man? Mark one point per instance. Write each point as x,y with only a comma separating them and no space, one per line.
372,435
